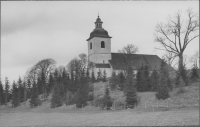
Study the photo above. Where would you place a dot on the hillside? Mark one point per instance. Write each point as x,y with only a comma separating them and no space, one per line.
93,116
147,100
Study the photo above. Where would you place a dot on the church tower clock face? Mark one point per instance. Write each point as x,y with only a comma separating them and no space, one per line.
99,44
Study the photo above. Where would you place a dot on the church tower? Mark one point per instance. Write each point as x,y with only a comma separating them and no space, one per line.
99,44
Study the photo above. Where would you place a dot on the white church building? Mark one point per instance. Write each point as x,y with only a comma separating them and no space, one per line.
99,52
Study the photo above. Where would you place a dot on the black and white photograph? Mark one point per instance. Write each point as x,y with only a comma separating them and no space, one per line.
99,63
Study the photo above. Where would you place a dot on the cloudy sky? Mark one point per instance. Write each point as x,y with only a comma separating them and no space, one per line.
32,31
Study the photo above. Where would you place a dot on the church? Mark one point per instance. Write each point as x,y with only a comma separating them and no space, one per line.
99,52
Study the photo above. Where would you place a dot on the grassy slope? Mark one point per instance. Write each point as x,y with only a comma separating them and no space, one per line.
189,97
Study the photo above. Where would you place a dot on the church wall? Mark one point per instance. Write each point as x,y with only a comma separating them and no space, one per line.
98,54
97,45
99,58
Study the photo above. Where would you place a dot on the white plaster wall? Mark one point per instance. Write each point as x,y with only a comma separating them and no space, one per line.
98,54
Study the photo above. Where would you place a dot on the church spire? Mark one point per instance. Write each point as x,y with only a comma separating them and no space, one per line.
98,23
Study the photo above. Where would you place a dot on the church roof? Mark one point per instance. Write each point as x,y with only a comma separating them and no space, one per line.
136,60
102,65
99,31
98,20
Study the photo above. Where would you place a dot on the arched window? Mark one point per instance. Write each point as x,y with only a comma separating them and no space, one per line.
90,45
102,44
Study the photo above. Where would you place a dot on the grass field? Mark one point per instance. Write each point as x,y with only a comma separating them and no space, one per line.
93,116
184,116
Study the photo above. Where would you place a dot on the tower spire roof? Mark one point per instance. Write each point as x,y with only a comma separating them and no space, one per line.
98,31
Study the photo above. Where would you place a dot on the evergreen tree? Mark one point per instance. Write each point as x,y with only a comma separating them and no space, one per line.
139,79
142,79
57,98
25,91
35,101
56,76
88,76
39,85
43,84
131,97
147,85
51,82
107,101
194,74
2,97
113,81
121,78
28,88
15,100
129,79
6,90
81,95
163,91
130,90
93,76
99,75
72,85
69,98
154,80
20,90
104,76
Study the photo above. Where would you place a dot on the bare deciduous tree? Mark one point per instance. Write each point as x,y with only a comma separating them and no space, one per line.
45,67
79,65
127,62
176,34
169,57
195,58
129,49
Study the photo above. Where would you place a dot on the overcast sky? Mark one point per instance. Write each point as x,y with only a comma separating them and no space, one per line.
32,31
